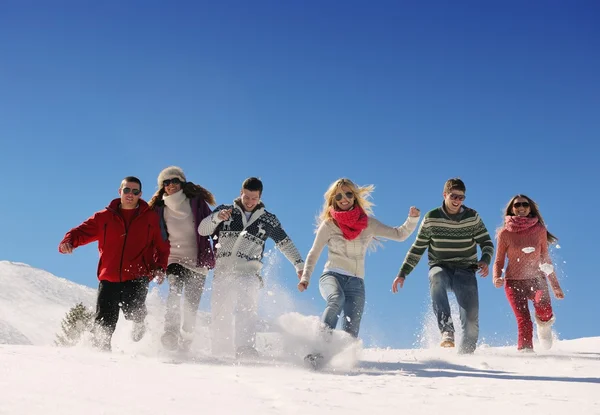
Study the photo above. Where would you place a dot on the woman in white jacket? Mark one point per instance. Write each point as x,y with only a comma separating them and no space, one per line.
347,230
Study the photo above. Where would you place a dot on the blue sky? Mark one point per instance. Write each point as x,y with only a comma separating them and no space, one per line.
402,95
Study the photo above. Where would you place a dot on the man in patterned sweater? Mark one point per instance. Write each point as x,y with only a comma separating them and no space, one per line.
241,231
451,234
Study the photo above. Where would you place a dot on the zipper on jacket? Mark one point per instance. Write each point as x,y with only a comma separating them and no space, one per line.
104,236
123,254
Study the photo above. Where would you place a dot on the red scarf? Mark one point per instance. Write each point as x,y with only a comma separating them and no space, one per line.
351,222
519,223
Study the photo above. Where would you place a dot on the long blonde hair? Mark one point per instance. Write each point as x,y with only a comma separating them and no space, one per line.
362,194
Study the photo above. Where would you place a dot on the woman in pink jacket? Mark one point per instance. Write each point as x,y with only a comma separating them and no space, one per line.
524,240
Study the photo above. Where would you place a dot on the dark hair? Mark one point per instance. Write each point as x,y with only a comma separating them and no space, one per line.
454,184
253,184
190,190
132,179
534,213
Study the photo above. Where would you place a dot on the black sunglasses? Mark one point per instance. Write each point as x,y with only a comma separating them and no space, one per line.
128,190
349,195
519,204
457,197
174,180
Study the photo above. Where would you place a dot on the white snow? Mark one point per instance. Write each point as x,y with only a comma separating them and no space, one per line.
140,378
528,250
547,268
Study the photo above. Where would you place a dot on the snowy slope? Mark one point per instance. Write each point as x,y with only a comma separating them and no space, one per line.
33,302
141,378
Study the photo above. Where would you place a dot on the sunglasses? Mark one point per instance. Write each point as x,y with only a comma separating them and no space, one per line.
349,195
128,190
519,204
174,180
457,197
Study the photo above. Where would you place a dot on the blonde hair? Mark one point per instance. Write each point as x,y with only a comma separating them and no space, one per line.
362,194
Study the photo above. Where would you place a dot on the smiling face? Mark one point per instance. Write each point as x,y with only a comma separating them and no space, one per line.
130,193
343,198
453,200
521,207
172,185
249,199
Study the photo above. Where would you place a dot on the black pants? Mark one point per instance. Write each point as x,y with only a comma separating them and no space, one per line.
130,296
183,282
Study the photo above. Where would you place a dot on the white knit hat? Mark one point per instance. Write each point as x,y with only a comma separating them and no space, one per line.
170,173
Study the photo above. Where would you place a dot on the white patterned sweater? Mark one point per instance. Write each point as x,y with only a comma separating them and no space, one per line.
241,242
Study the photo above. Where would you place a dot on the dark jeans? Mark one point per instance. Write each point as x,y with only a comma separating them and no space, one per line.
463,283
183,281
130,296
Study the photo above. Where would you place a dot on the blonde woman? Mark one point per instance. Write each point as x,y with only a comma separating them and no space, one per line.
347,228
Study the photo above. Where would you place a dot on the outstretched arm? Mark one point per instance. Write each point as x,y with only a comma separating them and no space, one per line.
286,246
400,233
81,235
414,254
319,243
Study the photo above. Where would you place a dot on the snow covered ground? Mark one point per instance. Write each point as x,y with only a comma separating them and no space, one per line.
140,378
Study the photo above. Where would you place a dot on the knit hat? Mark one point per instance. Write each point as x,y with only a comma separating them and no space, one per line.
170,173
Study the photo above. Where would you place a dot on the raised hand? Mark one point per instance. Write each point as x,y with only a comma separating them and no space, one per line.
224,214
414,212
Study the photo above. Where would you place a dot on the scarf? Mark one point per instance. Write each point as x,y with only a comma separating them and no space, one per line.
178,205
351,222
519,223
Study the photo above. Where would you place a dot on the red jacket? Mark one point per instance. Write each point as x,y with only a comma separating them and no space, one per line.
124,254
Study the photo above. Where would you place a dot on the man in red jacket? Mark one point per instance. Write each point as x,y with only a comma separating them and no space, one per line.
132,253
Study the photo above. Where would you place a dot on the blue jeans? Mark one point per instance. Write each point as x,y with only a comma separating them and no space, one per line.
463,283
342,293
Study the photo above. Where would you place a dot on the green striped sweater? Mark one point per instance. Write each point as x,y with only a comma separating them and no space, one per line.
450,242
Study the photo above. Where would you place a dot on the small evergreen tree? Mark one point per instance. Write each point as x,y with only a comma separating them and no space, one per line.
78,320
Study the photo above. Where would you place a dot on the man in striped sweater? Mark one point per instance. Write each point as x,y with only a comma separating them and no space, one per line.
451,234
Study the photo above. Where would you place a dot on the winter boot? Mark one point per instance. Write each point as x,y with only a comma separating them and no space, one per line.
447,339
544,332
314,361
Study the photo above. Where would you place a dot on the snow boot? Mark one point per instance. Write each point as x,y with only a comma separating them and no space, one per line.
447,339
544,332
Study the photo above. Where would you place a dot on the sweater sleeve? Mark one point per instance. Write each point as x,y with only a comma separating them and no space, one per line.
500,255
85,233
319,243
284,243
209,224
417,249
162,246
545,259
483,239
400,233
